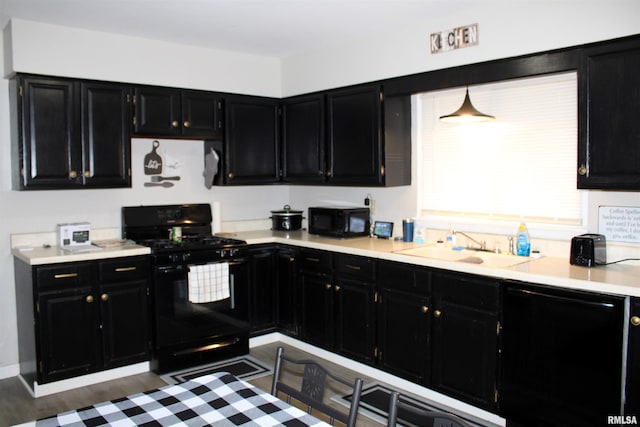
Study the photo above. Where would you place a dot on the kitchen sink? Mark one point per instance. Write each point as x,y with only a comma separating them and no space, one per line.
470,256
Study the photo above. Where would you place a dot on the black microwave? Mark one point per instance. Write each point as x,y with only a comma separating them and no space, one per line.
339,221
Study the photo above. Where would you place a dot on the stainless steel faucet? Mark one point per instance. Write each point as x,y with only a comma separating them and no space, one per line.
483,244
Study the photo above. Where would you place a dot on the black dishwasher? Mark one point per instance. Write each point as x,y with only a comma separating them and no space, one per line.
561,356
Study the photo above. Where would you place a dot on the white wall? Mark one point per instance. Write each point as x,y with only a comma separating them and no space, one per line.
523,27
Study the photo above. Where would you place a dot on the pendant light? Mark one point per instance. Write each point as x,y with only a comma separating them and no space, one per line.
467,113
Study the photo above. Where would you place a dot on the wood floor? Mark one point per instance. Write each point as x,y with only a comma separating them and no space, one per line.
17,406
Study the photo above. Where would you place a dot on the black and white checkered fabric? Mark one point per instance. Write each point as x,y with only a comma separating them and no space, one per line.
218,399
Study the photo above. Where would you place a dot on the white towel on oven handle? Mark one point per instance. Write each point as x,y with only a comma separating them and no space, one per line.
209,282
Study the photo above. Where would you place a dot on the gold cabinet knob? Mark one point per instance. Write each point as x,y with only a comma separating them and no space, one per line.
320,173
635,320
87,174
230,175
329,173
425,309
437,313
104,297
328,286
175,124
73,174
337,288
582,170
89,299
186,124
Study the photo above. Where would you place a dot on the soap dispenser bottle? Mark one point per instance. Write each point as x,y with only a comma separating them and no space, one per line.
523,242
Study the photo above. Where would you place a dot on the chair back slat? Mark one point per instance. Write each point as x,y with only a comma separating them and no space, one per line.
421,417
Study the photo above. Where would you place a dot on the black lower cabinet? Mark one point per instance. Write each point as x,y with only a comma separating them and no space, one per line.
287,293
464,348
262,298
317,309
354,314
632,396
561,356
81,317
404,321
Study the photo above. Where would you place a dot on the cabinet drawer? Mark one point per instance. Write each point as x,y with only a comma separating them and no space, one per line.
404,277
357,266
67,275
122,269
317,261
470,290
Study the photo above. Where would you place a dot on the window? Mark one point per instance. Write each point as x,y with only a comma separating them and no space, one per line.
520,166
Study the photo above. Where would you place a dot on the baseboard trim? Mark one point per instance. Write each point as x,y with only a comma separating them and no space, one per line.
39,390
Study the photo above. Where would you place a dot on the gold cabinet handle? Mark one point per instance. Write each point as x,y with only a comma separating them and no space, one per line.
353,267
635,320
123,269
104,297
65,275
175,124
437,313
186,124
425,309
313,259
292,259
336,288
73,174
327,286
582,170
89,299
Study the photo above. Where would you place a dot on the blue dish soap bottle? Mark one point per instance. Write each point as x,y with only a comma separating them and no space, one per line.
523,243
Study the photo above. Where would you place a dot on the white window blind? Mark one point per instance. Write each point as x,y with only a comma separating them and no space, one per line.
522,165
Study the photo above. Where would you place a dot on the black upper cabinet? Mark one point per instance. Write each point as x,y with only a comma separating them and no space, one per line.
608,111
347,136
70,134
251,146
106,134
303,139
354,138
165,112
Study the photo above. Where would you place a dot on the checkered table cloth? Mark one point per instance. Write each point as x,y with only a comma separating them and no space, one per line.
218,399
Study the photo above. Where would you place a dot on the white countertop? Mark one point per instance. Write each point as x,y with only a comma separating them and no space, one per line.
40,255
616,279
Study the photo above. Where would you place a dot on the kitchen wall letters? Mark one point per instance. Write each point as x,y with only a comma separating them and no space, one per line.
454,38
619,224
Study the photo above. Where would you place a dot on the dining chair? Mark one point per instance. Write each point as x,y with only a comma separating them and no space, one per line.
312,388
420,417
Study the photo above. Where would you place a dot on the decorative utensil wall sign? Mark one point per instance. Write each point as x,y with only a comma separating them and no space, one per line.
455,38
153,166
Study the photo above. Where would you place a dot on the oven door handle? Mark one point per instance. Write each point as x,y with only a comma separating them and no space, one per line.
172,269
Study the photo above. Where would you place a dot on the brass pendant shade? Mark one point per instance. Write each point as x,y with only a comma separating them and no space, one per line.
467,113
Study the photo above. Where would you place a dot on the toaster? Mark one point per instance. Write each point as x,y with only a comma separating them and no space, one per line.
588,250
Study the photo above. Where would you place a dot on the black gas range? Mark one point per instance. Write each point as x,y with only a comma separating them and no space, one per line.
190,330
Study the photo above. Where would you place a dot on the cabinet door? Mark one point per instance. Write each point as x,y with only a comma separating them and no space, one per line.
287,290
261,294
157,111
317,309
354,136
404,323
67,324
106,135
201,114
465,338
303,139
125,323
49,152
632,400
355,319
608,110
252,138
